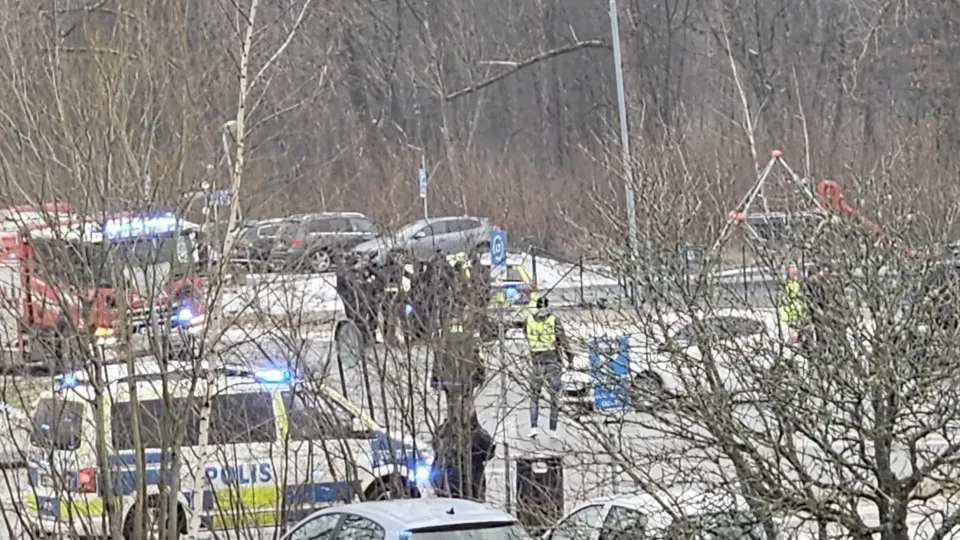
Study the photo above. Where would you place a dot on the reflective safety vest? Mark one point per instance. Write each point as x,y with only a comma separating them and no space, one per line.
792,303
455,328
461,258
391,289
542,334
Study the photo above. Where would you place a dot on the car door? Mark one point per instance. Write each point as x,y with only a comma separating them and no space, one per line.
315,528
582,524
327,232
459,236
424,243
326,441
623,523
356,527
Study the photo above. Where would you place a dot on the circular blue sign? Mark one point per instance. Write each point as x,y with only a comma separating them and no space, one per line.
498,249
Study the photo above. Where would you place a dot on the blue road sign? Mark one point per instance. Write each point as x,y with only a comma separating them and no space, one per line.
610,370
498,249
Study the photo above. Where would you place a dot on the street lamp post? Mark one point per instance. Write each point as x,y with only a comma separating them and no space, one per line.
624,136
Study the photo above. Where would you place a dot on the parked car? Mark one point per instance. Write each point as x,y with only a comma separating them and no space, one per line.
667,352
257,242
677,516
423,238
413,519
318,240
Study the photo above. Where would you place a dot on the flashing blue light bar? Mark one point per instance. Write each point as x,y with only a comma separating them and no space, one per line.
274,376
184,316
127,227
69,380
407,309
511,293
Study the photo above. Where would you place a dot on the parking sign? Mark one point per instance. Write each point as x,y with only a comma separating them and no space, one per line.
498,249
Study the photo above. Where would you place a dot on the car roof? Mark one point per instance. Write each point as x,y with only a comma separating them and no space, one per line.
416,514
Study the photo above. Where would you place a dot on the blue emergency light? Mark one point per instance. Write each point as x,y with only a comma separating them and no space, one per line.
511,293
68,380
407,309
126,227
274,376
184,316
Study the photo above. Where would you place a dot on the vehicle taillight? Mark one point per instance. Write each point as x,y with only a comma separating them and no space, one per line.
87,481
298,242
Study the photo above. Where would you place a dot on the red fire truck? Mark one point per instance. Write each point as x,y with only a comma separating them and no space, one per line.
61,278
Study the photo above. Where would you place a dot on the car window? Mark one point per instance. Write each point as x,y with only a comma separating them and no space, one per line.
362,225
359,528
514,275
623,523
155,418
464,225
242,418
269,231
440,227
314,417
717,526
579,525
318,528
58,424
721,328
327,225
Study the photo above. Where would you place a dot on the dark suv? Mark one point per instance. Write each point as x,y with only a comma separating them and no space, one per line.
258,241
318,239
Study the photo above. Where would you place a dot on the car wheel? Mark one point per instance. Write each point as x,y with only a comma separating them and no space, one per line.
320,261
152,525
647,384
390,489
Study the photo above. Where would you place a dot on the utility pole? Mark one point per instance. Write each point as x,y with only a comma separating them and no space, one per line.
624,138
423,183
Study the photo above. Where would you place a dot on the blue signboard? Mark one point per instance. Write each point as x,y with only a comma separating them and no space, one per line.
498,249
610,369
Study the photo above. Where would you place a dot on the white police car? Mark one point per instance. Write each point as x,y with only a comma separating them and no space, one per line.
278,450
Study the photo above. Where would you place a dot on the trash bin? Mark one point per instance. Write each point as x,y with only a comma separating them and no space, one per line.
539,492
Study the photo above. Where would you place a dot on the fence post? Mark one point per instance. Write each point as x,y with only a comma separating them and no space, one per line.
743,271
533,254
508,481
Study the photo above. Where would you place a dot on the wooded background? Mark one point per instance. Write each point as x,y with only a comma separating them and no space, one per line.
100,93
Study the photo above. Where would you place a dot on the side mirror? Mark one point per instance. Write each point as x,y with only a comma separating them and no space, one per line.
420,235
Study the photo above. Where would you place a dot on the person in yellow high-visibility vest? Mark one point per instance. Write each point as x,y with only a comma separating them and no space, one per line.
792,308
548,343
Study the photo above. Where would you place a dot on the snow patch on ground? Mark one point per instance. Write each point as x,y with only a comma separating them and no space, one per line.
282,295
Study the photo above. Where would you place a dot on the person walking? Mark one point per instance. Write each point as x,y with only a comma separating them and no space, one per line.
792,308
548,344
392,297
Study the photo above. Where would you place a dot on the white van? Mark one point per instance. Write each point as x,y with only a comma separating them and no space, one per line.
278,450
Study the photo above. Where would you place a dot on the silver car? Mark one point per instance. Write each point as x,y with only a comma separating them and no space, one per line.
413,519
425,237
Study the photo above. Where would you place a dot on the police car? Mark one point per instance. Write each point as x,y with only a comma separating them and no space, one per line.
278,449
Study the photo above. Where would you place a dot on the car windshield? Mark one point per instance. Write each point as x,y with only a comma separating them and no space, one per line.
141,261
482,532
57,424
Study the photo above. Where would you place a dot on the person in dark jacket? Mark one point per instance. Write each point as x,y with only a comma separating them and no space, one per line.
354,285
462,448
482,449
392,297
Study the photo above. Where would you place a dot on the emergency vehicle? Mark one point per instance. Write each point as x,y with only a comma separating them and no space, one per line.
60,278
278,449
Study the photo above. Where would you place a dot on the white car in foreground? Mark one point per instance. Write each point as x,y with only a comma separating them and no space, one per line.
679,515
664,354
